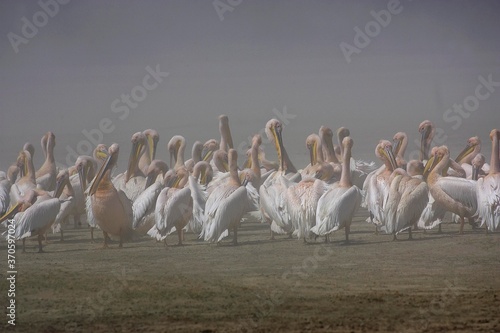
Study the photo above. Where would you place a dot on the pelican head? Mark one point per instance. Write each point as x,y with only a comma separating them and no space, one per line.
174,145
138,143
477,163
221,160
472,143
169,178
23,160
312,143
209,148
342,132
324,172
385,153
152,138
29,147
426,130
494,134
108,165
398,139
62,180
100,153
204,171
155,168
274,134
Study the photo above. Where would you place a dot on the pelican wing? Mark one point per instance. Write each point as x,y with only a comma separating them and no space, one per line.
432,215
145,203
127,206
461,190
37,217
223,207
336,208
92,222
412,203
488,201
170,208
66,209
4,195
252,198
273,202
199,199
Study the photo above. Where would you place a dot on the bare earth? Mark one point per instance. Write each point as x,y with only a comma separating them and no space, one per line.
437,282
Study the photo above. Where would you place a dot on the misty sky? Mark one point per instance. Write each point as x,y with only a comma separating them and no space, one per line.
263,55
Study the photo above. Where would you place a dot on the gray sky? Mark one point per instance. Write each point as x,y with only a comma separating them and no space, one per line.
263,55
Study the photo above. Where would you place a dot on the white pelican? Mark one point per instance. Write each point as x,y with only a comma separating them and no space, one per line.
407,199
37,218
86,168
272,191
337,206
133,181
315,147
174,207
377,184
176,148
454,194
148,154
427,131
488,188
46,175
198,181
111,208
225,206
27,180
477,167
209,147
5,186
144,205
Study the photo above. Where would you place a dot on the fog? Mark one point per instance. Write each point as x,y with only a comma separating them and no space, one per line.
251,60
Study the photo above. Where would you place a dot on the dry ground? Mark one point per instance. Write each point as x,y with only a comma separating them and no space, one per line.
437,282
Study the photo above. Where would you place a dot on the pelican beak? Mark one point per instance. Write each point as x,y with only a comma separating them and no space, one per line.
105,167
467,150
11,212
132,161
150,179
423,144
206,154
152,147
390,156
225,163
102,155
397,146
428,166
60,183
176,181
83,178
278,143
475,172
203,177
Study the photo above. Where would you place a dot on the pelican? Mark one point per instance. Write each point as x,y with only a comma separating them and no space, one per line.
209,147
488,188
27,180
144,205
337,206
148,154
202,171
133,181
5,186
456,195
46,175
272,191
401,142
176,148
225,206
111,208
174,207
407,199
377,184
64,191
37,218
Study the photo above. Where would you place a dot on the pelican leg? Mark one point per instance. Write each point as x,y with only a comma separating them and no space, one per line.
24,244
62,235
40,237
165,242
462,222
92,234
180,235
121,241
326,239
376,230
272,235
410,237
394,238
235,238
347,232
439,228
77,222
105,245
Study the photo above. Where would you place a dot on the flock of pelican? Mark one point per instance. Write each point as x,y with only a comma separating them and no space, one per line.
209,194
